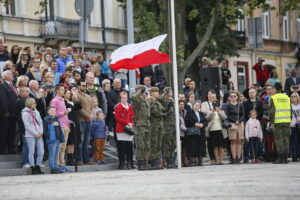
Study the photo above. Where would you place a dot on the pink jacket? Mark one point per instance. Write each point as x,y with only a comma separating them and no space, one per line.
253,129
59,104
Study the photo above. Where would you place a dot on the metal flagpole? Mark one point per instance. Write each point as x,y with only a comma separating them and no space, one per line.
175,80
130,33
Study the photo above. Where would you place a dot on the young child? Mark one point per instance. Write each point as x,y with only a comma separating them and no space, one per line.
99,135
54,136
254,136
95,107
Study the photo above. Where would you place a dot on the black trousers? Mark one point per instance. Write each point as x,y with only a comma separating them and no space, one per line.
7,135
125,151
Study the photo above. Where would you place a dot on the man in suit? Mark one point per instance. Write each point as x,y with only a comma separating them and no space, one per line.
8,118
291,81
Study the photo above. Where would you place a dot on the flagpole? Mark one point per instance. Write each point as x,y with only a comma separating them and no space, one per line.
175,80
130,34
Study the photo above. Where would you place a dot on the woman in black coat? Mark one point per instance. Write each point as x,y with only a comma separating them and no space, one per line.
195,144
110,105
72,107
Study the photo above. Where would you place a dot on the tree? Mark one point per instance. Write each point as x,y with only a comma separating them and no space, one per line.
203,28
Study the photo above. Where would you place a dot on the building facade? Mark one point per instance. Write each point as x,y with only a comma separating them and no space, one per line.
280,46
58,25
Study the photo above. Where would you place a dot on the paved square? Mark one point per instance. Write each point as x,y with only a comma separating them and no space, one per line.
245,181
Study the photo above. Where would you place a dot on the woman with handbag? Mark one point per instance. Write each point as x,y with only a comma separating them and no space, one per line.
214,115
124,121
234,112
207,106
295,126
195,122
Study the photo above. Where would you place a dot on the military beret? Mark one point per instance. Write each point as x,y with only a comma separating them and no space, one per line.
139,87
167,88
154,89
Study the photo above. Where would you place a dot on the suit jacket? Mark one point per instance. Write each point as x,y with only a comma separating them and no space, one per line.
7,100
191,118
288,84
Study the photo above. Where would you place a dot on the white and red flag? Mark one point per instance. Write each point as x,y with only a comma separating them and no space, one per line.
133,56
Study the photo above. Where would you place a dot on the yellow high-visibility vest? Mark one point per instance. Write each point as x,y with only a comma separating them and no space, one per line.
282,105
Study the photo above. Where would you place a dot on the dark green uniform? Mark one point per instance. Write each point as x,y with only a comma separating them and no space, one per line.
169,137
141,108
157,128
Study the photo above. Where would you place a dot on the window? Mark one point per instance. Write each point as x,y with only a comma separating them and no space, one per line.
9,8
50,15
285,27
241,22
266,24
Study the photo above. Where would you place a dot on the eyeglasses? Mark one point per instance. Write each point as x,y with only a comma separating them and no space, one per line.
83,85
233,96
294,96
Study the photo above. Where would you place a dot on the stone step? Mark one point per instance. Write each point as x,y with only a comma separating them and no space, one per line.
94,168
7,158
20,171
10,164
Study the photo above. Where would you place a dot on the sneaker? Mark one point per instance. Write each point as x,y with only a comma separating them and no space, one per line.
107,144
79,163
99,162
258,161
26,166
253,161
42,165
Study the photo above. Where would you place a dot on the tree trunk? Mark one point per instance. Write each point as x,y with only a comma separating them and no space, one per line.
191,59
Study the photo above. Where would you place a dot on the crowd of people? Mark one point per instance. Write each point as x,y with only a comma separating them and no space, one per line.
56,106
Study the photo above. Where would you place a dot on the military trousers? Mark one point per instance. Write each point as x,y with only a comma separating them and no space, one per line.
157,133
169,141
143,141
282,135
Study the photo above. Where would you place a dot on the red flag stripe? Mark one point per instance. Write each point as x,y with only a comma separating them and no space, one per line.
141,60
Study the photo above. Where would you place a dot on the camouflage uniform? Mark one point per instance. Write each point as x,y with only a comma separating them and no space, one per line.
141,109
169,137
157,128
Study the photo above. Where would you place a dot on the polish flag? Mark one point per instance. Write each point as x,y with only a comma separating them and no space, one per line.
133,56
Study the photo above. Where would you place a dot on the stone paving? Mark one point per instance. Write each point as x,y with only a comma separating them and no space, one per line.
245,181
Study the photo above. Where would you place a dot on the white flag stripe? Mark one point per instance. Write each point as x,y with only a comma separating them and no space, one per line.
131,50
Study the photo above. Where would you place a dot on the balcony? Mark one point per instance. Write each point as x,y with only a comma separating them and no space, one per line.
60,29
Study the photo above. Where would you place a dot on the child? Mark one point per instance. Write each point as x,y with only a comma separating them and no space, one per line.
54,136
95,107
254,136
99,130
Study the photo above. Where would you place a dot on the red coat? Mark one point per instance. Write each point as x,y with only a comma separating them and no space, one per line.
261,75
123,117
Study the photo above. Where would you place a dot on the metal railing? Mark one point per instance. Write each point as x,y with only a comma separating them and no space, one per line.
60,27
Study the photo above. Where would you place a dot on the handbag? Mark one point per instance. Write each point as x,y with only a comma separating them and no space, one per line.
234,127
226,124
192,131
129,130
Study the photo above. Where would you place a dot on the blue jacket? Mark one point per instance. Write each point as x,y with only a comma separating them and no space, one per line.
52,132
99,129
104,68
61,64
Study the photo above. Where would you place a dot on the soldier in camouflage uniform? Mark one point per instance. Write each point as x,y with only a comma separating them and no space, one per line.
157,127
169,137
141,109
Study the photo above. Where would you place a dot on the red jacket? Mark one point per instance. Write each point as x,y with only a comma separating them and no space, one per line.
123,117
261,75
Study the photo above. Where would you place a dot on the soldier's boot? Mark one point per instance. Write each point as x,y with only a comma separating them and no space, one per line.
171,163
279,160
142,165
155,164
